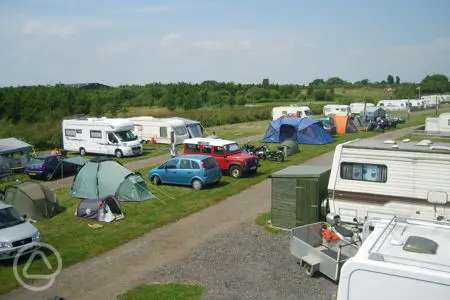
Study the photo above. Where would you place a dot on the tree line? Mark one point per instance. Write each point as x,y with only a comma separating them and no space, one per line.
35,103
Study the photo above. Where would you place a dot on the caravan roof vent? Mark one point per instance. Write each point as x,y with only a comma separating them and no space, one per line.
419,244
424,143
389,142
406,140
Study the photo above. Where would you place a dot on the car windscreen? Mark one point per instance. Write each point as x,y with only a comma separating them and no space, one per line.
180,130
232,148
209,163
9,217
126,136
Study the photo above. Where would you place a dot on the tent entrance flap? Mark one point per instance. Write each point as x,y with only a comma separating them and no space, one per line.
287,132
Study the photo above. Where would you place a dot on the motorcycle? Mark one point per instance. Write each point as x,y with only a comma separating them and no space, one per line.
263,152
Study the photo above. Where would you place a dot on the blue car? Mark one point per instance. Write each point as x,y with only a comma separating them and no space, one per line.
195,170
48,166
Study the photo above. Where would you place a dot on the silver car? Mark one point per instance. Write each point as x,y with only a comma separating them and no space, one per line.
15,233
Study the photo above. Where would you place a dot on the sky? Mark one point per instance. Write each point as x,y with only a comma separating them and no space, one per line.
138,42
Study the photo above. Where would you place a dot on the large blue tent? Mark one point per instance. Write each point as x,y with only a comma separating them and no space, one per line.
303,130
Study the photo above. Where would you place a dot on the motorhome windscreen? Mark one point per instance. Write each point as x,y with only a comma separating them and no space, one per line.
126,136
9,217
180,130
195,130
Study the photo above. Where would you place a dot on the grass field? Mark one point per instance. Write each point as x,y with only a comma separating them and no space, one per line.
169,291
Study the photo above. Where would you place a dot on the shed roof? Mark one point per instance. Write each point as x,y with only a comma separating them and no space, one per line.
302,171
11,145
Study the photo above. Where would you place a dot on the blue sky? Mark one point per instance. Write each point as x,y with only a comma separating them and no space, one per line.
135,42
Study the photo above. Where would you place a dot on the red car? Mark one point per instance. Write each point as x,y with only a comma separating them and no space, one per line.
230,157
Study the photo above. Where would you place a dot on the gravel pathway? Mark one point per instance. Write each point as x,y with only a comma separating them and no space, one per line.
246,262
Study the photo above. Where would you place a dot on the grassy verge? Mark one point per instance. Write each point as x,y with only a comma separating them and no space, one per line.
76,241
264,220
169,291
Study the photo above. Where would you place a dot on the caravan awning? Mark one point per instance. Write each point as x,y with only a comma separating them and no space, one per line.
12,145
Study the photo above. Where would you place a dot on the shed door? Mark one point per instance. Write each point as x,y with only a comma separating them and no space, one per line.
307,201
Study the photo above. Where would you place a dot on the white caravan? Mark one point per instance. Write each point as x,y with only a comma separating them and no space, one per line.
160,130
360,107
432,101
440,125
194,128
402,259
336,109
377,179
416,104
100,136
394,105
291,111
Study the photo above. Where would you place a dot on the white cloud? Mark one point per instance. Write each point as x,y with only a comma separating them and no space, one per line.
153,9
170,39
41,28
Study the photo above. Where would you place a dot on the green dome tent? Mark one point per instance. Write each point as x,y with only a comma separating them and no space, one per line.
32,199
101,178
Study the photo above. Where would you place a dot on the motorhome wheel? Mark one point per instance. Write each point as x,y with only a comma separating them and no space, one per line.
119,153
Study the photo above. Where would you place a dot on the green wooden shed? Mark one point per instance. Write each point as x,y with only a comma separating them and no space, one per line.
296,194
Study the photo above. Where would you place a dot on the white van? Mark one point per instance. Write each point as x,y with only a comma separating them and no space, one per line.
291,111
100,136
336,109
402,259
160,130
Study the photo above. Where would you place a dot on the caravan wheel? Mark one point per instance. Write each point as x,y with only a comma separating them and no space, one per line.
82,151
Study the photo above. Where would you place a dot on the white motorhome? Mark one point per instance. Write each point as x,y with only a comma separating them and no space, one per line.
360,107
100,136
378,179
403,259
440,125
336,109
394,105
161,130
291,111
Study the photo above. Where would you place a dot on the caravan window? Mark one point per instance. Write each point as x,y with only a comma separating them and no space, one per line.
70,132
363,172
96,134
180,130
163,131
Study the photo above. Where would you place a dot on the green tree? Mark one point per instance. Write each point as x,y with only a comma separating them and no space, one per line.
390,79
265,82
437,83
397,79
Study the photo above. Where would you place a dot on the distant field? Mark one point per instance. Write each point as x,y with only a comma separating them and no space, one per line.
362,93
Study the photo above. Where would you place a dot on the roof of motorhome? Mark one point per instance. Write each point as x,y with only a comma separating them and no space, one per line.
187,121
114,122
410,146
208,141
390,238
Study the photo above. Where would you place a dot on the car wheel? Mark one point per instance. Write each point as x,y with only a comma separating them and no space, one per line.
82,151
235,171
156,180
119,153
197,184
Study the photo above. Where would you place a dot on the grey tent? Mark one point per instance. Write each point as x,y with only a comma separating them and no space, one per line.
32,199
103,209
14,155
100,178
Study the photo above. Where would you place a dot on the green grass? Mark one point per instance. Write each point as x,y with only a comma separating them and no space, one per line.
264,220
239,130
169,291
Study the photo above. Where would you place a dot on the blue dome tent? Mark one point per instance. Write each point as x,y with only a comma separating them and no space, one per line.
303,130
